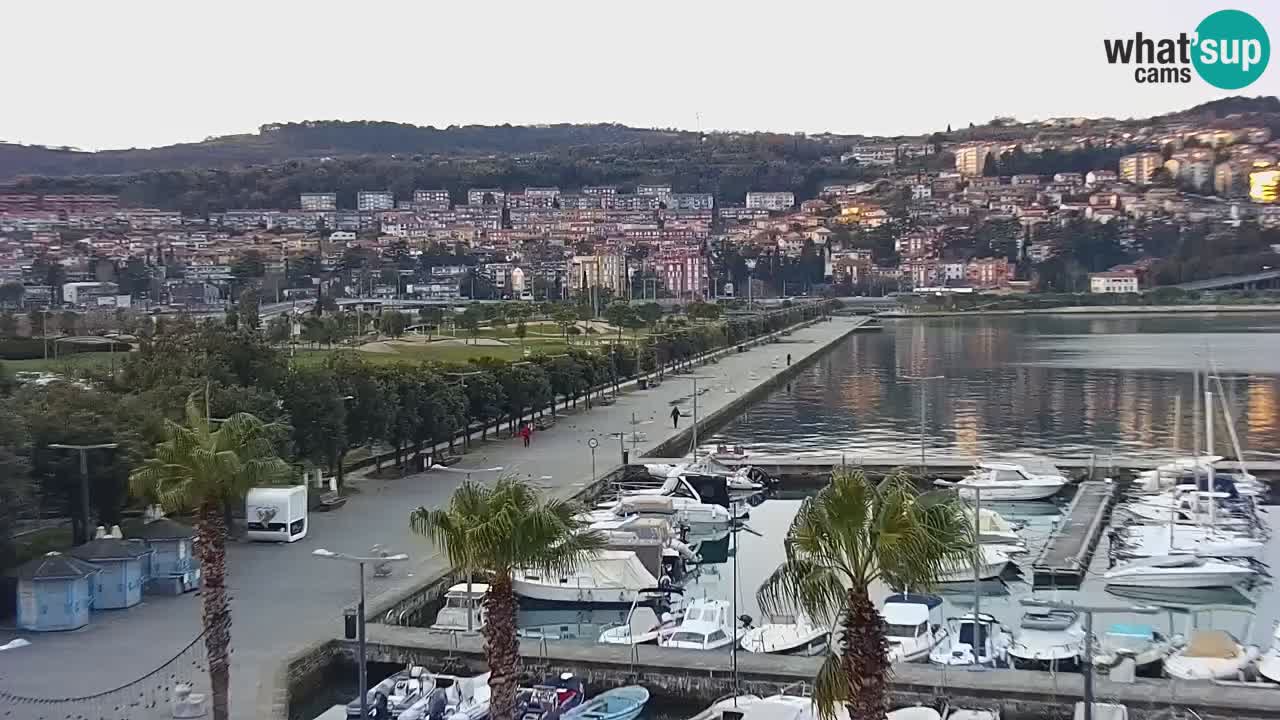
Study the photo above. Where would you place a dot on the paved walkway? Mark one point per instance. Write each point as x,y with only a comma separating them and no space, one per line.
284,599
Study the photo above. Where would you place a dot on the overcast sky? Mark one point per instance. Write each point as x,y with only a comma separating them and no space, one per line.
138,73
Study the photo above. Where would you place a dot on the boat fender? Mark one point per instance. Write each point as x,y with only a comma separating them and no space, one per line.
589,597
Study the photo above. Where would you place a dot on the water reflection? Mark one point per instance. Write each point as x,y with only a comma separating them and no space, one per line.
1061,386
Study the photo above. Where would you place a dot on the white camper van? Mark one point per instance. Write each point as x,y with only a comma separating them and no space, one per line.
277,514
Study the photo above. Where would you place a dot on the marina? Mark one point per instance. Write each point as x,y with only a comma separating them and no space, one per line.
1065,558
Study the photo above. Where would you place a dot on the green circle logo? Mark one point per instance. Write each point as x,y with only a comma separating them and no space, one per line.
1232,49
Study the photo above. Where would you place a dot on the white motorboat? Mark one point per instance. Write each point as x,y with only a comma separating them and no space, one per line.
970,641
914,712
608,577
461,602
1048,639
1210,655
707,504
1144,541
1011,481
1179,571
643,625
396,693
729,703
1269,663
707,625
994,529
909,626
459,698
1147,646
786,634
992,561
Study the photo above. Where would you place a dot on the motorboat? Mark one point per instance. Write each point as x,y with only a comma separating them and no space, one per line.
1179,571
728,703
1144,541
454,698
1147,646
550,699
707,625
914,712
729,451
742,478
393,695
994,529
607,577
566,621
636,531
643,625
461,602
1269,663
707,504
973,641
1178,598
992,562
1048,638
1101,711
624,703
1004,481
1210,655
786,634
909,626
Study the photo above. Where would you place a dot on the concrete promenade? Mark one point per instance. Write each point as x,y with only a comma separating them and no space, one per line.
285,600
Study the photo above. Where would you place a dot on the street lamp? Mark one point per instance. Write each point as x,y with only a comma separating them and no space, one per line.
751,266
84,480
360,561
593,444
924,469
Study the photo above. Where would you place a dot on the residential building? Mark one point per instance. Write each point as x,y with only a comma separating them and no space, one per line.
1113,282
690,201
655,190
608,191
971,159
1264,186
771,201
318,201
1138,167
988,272
374,200
603,270
1100,177
683,271
431,199
486,196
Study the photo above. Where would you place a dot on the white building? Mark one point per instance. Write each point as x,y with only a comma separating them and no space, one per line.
771,201
374,200
318,201
1113,282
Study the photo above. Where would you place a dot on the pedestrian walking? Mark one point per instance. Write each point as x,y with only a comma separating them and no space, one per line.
525,433
788,359
675,417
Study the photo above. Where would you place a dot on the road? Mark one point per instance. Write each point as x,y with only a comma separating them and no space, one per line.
283,599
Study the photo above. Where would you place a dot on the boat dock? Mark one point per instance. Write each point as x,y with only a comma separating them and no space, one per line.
1064,561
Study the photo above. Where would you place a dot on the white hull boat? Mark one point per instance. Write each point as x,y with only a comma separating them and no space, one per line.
643,625
1142,643
608,577
992,563
707,625
985,642
786,635
993,529
460,603
1007,481
1179,572
1210,655
729,703
909,626
465,698
1144,541
1269,664
1051,638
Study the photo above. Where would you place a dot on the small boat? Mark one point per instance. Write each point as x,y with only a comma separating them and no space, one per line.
460,602
973,641
1011,481
994,529
786,634
643,625
707,625
454,698
608,577
914,712
1210,655
624,703
1269,663
992,562
1048,639
728,703
1147,646
550,700
909,626
729,451
1102,711
1179,598
1179,571
396,693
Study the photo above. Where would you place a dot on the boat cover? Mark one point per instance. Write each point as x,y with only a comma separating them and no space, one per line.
620,568
1212,644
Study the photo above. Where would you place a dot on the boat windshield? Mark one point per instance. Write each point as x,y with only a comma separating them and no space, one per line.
967,634
689,637
461,603
892,630
1007,476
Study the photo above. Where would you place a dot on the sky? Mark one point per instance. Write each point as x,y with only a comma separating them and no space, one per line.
138,73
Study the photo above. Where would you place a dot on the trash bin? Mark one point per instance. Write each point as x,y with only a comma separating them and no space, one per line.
626,457
349,623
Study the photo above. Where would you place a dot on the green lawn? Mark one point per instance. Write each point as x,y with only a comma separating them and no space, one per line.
74,361
441,352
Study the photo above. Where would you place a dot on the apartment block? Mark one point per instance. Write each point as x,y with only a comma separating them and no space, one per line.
487,196
970,159
318,201
1138,167
771,201
431,199
374,200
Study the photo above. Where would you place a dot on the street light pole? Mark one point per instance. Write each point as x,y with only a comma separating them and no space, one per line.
360,625
84,481
924,469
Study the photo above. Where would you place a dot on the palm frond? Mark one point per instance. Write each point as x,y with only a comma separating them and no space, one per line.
803,585
830,687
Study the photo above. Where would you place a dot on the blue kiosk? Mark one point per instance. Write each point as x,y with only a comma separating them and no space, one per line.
55,592
174,566
119,585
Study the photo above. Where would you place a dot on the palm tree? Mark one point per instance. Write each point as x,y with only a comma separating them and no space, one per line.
492,531
199,468
851,536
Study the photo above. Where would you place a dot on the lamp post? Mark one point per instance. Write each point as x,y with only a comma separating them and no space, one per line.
751,266
360,561
924,404
593,444
84,481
